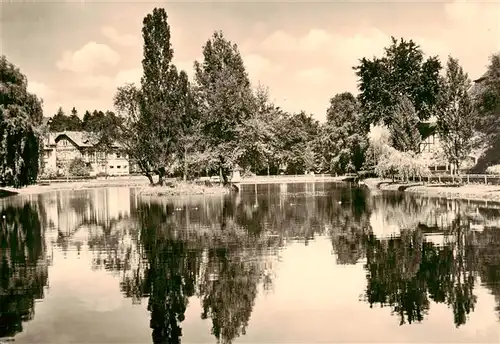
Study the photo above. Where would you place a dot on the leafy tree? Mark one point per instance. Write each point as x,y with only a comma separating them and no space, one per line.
344,137
226,100
75,122
258,138
20,121
309,158
455,113
77,167
402,71
103,129
487,99
87,117
296,134
189,131
378,138
404,165
405,135
131,133
61,122
93,122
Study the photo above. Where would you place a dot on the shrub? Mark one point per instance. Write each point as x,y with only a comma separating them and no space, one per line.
48,173
78,167
495,169
404,165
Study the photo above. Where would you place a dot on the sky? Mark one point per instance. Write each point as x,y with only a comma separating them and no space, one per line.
76,53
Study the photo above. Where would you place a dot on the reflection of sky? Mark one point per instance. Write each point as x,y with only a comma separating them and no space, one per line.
313,298
82,305
382,228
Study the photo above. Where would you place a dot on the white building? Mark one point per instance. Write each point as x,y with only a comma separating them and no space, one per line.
63,147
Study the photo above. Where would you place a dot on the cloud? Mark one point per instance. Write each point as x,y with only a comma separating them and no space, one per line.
315,40
350,49
128,76
88,58
125,40
340,47
96,82
315,75
105,84
258,66
40,89
280,41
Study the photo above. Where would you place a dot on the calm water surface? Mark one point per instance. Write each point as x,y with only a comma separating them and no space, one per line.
302,263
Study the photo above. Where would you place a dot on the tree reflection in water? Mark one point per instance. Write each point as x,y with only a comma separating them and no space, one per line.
407,271
23,267
185,253
219,254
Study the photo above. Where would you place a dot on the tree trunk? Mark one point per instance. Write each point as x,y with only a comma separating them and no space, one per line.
161,174
184,177
221,175
150,178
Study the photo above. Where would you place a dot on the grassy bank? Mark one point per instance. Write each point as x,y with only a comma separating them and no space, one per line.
182,188
78,185
466,192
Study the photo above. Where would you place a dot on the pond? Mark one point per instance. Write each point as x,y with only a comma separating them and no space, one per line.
276,263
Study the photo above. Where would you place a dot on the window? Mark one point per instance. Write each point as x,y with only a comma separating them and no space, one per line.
118,157
111,166
118,166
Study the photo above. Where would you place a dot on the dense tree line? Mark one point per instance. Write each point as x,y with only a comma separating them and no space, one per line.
172,126
219,122
216,123
95,121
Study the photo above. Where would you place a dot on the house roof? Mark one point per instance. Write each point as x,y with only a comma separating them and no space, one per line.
478,85
482,78
81,139
426,129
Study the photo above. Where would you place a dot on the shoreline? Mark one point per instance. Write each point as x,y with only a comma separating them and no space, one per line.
471,192
147,190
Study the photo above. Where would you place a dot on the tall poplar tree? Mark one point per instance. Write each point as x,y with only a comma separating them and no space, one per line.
456,114
158,115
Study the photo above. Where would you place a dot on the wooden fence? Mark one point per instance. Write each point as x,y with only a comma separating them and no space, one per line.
485,179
